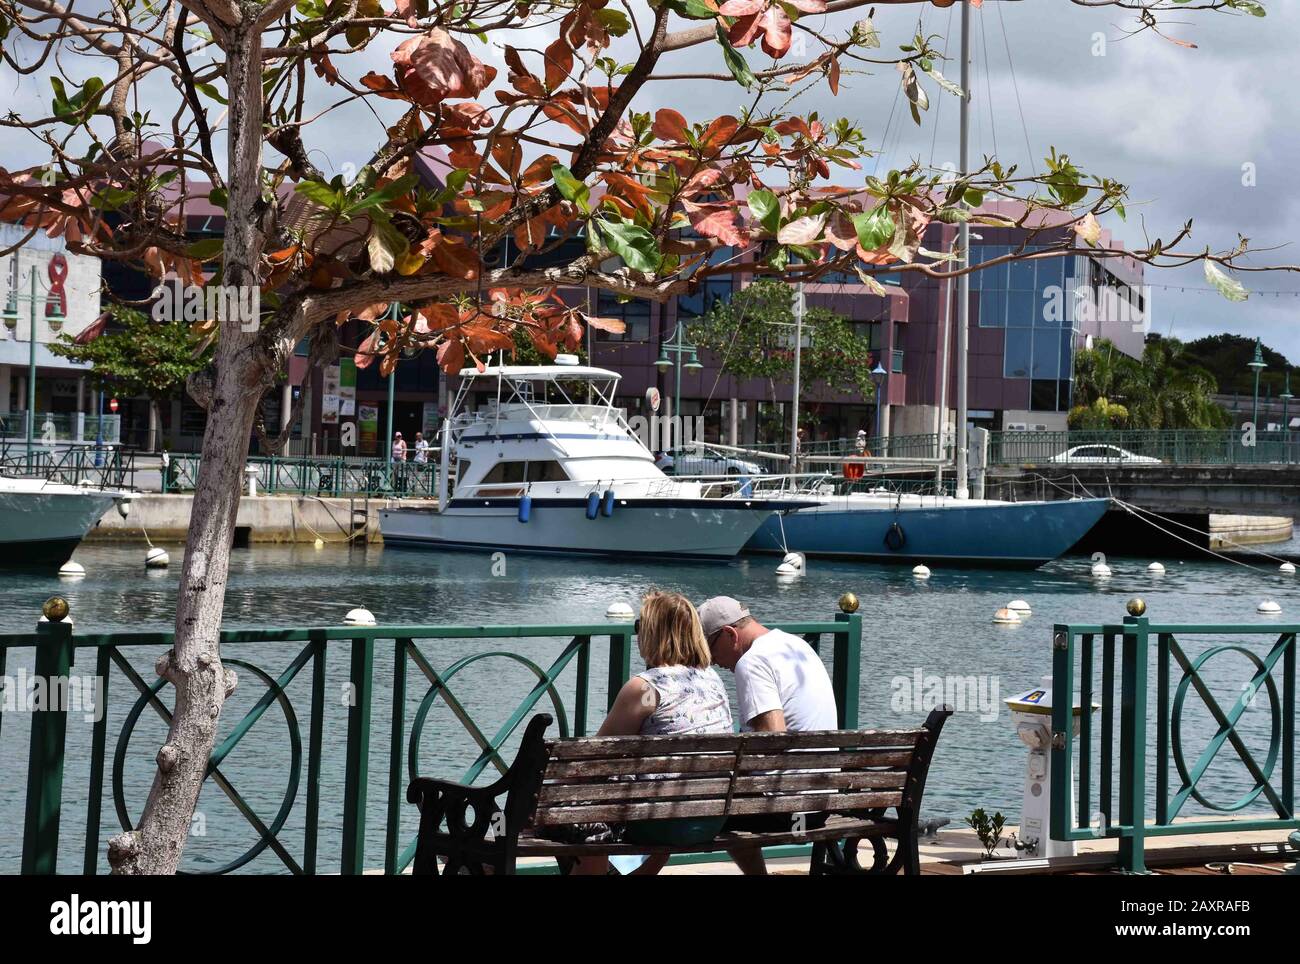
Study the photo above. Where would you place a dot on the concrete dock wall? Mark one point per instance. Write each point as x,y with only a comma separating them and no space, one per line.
262,518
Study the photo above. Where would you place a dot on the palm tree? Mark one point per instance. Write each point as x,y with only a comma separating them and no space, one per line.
1165,390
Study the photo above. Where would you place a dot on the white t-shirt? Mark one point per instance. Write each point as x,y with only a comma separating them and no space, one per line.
782,672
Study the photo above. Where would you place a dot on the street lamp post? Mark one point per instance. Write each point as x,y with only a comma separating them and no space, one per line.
1257,363
394,311
11,320
676,345
879,376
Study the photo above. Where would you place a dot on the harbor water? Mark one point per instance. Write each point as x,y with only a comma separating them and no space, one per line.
914,632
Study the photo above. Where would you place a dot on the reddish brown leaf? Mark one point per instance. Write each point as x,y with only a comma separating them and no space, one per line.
559,61
365,354
670,125
776,31
451,356
436,66
716,220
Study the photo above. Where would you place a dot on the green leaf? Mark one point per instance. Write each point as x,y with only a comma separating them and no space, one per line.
766,209
219,197
631,242
1230,288
615,22
735,62
324,195
211,91
875,227
386,195
570,188
207,249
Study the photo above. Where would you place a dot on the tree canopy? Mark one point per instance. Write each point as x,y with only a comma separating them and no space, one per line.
1226,356
1165,389
138,356
752,334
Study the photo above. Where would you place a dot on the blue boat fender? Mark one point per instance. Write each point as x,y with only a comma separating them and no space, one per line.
525,508
895,538
593,505
607,504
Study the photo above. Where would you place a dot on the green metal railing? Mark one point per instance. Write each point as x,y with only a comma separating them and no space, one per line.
415,663
1103,447
83,464
1125,755
1174,446
335,476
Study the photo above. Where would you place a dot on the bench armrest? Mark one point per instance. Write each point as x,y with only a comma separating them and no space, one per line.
469,812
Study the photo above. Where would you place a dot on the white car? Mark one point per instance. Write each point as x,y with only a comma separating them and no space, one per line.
707,464
1098,454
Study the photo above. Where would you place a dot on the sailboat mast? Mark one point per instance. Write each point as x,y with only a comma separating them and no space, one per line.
794,403
963,242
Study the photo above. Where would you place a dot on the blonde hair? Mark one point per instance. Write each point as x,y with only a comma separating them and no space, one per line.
670,632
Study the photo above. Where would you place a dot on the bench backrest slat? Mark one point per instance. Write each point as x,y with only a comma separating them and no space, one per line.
613,779
643,790
620,746
724,763
740,806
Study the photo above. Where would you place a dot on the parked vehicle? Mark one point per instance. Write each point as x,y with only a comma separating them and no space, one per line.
1098,454
708,463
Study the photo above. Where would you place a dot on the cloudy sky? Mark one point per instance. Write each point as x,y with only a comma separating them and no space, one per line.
1201,133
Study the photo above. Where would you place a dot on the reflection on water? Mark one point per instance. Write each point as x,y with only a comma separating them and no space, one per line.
941,627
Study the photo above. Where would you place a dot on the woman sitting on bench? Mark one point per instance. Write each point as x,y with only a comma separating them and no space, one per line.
678,692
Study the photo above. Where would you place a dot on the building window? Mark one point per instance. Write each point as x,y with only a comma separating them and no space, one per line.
634,313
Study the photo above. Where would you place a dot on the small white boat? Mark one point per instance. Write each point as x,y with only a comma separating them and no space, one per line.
549,465
42,523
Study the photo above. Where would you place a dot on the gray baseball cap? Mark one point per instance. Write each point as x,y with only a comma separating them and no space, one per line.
718,612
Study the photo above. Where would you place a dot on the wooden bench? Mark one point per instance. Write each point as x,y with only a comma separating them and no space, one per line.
854,777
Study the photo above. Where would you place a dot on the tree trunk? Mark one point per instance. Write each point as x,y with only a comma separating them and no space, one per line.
193,666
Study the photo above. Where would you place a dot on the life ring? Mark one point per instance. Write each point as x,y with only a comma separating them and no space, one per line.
895,538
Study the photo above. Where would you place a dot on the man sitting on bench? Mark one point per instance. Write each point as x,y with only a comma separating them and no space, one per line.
781,684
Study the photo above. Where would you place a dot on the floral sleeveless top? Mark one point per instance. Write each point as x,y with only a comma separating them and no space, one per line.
691,700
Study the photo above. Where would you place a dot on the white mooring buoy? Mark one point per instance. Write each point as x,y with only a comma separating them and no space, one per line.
359,617
156,558
921,572
787,569
1101,570
1288,568
1019,607
1006,617
620,611
1268,607
72,570
1156,569
319,543
796,559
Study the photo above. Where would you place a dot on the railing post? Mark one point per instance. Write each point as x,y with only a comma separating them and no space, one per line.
846,669
1133,743
49,728
358,756
1062,746
620,662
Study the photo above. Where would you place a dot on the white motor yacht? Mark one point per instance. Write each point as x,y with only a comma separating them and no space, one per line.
550,465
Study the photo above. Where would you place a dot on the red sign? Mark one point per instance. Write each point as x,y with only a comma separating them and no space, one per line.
112,405
56,305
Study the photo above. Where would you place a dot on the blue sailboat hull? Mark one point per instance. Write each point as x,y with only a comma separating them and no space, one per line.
1006,534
